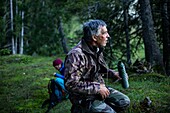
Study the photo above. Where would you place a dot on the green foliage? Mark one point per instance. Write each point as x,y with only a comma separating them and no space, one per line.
24,82
4,52
151,85
15,59
41,30
3,30
41,34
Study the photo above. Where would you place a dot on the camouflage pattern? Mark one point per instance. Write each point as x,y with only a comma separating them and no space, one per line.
115,102
85,68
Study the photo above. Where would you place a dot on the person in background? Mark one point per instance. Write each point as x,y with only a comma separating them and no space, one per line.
60,90
59,66
85,68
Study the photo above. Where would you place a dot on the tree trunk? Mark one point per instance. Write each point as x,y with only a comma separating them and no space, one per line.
61,32
16,44
165,12
152,51
16,37
168,9
22,33
128,53
12,28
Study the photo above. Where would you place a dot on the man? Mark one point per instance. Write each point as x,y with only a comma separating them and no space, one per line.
84,71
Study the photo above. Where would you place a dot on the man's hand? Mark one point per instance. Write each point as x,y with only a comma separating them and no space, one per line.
104,92
116,74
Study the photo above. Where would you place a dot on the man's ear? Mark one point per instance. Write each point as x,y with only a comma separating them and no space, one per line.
94,38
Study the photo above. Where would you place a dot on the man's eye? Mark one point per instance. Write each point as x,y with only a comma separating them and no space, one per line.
104,32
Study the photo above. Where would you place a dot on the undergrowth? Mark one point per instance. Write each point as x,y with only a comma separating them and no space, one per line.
24,82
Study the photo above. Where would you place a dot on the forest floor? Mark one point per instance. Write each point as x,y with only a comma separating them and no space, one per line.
24,79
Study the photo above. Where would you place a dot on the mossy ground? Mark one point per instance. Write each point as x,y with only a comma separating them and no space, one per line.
24,82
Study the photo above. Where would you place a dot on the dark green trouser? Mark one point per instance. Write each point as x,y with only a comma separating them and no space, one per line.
116,101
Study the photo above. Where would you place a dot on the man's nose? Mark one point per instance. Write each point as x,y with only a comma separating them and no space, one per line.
108,36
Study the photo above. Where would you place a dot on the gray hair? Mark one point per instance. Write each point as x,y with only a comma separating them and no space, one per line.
91,28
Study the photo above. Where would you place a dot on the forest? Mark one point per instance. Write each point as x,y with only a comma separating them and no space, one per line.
139,31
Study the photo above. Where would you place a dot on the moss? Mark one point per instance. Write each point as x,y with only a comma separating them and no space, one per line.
24,82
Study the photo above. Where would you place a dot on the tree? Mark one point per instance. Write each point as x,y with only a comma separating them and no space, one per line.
152,51
13,23
61,32
168,9
22,34
125,12
165,35
12,27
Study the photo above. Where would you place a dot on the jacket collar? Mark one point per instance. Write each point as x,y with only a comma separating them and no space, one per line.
90,49
62,67
86,47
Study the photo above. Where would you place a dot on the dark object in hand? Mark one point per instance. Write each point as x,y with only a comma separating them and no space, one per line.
123,74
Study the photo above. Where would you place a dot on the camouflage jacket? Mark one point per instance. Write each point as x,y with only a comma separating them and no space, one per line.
84,69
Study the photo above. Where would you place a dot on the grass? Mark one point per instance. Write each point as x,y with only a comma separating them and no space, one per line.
24,82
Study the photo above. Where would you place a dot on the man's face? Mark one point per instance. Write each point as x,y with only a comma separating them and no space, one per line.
103,36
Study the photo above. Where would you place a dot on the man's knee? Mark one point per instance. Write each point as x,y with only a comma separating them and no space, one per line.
120,103
123,103
121,100
101,106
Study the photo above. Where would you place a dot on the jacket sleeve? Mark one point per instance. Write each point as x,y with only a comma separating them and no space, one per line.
59,75
74,68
